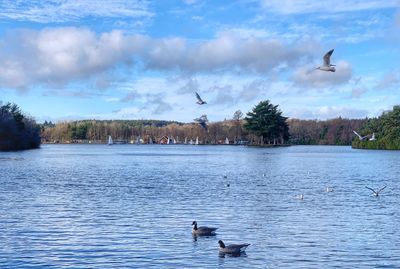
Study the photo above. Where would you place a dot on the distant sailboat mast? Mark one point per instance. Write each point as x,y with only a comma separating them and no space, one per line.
197,140
110,141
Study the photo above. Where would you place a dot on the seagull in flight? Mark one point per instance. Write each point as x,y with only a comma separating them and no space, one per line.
327,66
203,122
199,100
373,138
362,138
376,193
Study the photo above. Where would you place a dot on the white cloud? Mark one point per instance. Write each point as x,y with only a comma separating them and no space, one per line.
389,80
328,112
310,77
252,90
358,92
225,52
47,11
224,95
327,6
61,55
191,2
58,56
197,18
397,19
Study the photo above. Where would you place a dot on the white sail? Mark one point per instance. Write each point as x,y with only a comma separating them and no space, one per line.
110,141
226,141
185,140
197,140
191,142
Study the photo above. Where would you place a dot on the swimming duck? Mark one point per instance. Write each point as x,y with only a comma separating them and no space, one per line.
203,231
232,249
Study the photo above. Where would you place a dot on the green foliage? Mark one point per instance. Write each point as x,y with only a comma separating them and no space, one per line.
266,121
386,129
17,131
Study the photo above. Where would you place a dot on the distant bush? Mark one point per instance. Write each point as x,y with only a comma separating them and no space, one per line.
17,131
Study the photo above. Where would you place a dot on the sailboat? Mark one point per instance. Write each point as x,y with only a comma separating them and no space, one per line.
226,141
110,141
197,140
185,140
191,142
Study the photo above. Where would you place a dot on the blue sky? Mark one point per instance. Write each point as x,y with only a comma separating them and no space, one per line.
132,59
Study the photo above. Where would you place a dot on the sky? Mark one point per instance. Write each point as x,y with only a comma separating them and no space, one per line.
144,59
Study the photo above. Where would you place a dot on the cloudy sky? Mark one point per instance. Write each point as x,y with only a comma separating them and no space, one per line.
144,59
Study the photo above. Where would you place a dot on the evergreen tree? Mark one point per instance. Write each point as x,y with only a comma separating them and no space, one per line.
16,130
266,121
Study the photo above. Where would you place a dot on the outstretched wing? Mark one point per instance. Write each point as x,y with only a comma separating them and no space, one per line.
371,189
359,136
327,58
381,189
199,98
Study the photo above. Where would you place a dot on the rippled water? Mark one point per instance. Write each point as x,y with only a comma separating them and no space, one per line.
129,206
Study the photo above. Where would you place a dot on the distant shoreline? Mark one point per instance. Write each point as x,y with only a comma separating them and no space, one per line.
104,143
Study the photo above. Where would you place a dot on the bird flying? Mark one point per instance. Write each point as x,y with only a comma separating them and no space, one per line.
203,122
372,137
362,138
326,65
376,193
199,100
365,138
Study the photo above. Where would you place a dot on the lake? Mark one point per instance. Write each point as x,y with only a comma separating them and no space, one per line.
131,206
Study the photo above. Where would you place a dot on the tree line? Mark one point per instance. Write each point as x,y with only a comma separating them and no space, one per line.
17,130
336,131
264,124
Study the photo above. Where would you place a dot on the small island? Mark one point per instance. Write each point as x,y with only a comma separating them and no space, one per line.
17,131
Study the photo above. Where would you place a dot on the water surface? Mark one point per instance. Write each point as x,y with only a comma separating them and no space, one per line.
129,206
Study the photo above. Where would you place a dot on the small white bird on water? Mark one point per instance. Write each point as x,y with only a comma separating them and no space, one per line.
327,66
329,189
300,197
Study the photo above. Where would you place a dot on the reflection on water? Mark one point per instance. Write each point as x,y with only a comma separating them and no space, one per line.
129,206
